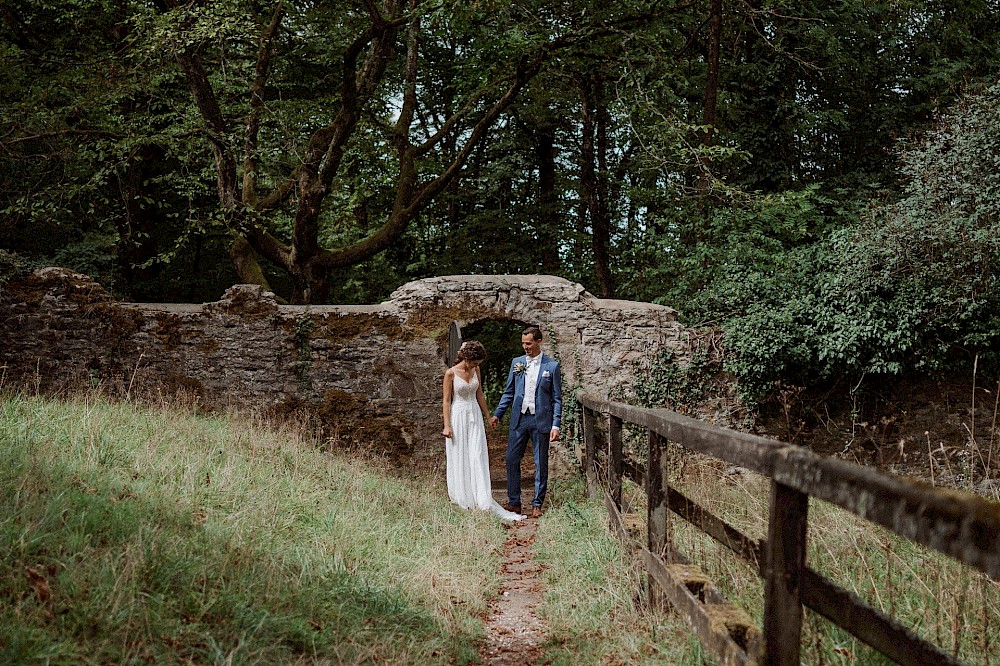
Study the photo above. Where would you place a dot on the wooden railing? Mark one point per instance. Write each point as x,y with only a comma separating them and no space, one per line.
962,525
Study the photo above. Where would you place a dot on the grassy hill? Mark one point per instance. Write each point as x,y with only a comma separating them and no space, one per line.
133,534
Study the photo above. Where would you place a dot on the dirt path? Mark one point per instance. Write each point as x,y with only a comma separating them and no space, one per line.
514,631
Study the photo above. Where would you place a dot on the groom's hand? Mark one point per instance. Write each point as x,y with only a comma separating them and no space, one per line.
494,421
554,435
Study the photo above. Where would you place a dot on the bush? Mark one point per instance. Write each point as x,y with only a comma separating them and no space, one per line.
910,285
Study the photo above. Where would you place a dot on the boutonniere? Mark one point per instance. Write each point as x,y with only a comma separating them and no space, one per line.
546,373
519,368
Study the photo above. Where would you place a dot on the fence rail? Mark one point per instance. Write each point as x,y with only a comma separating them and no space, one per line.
958,524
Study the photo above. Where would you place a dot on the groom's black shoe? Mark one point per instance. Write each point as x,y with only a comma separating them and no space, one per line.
516,508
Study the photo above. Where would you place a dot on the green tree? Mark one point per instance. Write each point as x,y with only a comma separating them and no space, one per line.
340,148
912,286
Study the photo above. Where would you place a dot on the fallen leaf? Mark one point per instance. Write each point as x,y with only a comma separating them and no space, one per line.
39,582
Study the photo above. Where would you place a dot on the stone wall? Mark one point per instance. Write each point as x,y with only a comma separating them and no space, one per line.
369,373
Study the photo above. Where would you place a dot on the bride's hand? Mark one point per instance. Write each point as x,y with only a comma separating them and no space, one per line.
447,433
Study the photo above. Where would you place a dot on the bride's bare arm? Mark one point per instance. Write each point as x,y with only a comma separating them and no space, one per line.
446,402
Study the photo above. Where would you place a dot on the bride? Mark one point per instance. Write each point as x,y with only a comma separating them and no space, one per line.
464,411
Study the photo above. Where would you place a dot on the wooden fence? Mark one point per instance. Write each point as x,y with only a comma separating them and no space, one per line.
962,525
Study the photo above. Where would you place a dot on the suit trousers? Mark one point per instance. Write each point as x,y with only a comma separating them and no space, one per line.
517,442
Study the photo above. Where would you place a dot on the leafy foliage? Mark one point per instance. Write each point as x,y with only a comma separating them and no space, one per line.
13,266
664,382
155,146
911,285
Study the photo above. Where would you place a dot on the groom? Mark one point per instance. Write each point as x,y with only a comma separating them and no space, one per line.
535,391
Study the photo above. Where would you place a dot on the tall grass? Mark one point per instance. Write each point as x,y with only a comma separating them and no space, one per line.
593,601
138,535
940,599
134,535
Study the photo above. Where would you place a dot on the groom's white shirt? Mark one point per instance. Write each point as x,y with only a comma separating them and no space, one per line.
531,383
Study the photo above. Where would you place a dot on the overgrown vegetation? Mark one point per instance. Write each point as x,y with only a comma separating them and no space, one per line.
14,266
940,599
684,386
134,535
593,594
905,285
154,534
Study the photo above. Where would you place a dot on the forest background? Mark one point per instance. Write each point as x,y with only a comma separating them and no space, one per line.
819,181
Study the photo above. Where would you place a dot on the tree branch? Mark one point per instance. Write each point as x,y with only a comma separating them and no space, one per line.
269,246
327,146
526,70
450,123
257,105
208,106
99,134
409,198
402,130
279,196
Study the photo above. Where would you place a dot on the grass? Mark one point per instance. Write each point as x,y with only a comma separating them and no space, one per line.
940,599
591,591
134,535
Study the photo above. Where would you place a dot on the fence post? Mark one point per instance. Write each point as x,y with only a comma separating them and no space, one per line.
784,564
657,515
617,460
590,443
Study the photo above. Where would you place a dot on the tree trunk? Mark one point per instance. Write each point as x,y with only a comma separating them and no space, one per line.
548,207
593,178
137,226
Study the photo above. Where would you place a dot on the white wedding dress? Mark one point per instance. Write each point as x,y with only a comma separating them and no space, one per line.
467,456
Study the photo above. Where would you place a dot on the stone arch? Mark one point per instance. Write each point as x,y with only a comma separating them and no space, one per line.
596,339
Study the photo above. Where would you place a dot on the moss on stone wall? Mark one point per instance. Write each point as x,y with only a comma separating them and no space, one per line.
339,327
169,330
183,385
117,326
434,321
347,421
54,283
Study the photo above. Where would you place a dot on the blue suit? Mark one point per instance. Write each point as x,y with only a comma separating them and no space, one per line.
548,413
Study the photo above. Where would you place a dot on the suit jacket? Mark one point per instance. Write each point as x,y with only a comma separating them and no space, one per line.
548,395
